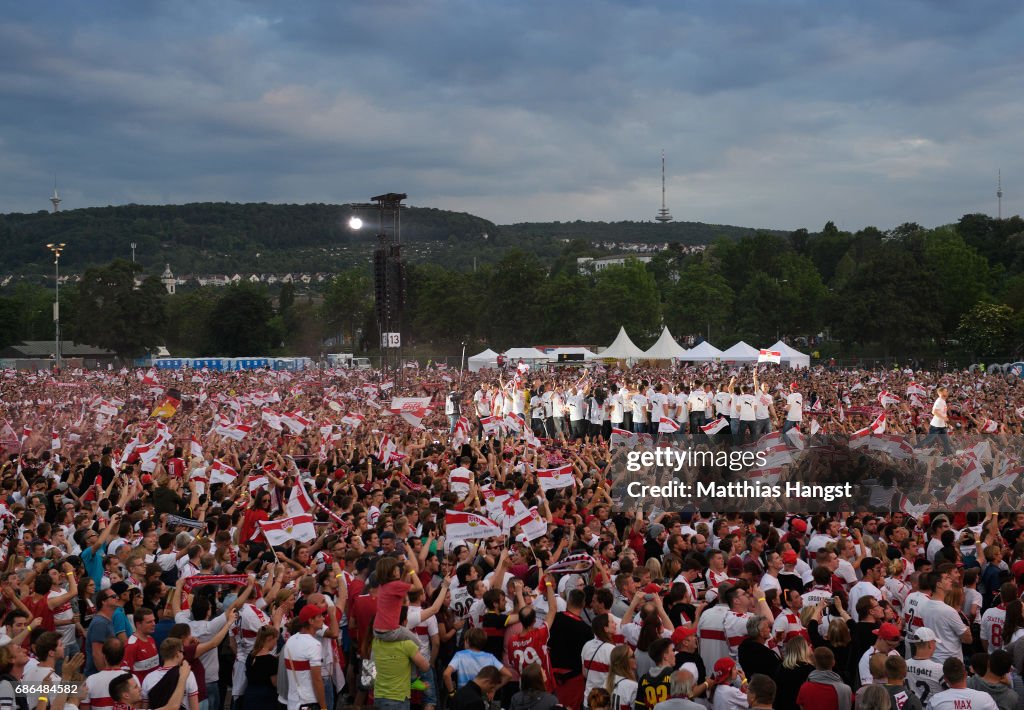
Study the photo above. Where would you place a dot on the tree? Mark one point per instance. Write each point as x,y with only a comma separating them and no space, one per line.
240,323
347,303
113,313
626,296
189,320
986,328
701,301
962,274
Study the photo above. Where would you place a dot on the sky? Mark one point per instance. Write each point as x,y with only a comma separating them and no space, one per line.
782,115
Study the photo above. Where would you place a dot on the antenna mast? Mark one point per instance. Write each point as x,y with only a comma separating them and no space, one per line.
663,213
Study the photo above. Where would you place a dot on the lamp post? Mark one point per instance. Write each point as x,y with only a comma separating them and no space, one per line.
56,249
133,252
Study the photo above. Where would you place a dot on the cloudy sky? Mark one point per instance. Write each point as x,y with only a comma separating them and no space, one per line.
782,114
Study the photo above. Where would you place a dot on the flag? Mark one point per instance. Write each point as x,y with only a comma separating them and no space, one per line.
299,501
815,427
386,449
220,472
989,427
533,525
914,511
969,481
298,527
469,526
460,437
515,422
107,409
770,356
169,405
1004,479
797,438
777,456
914,388
235,432
667,426
414,417
257,482
335,405
875,427
8,439
195,448
712,428
352,420
530,438
885,398
491,425
271,419
406,404
554,478
295,421
623,436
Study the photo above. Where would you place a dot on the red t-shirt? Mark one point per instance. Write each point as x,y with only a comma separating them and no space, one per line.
818,696
40,608
389,605
249,524
141,656
531,647
364,608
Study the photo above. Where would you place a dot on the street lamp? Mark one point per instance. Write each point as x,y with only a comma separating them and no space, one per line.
133,252
56,249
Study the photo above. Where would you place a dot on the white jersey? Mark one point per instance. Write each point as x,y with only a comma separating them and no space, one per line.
912,618
597,656
302,657
862,589
945,621
711,634
458,481
64,613
191,686
815,596
864,665
424,630
736,631
962,699
924,676
992,622
250,620
794,407
98,685
895,592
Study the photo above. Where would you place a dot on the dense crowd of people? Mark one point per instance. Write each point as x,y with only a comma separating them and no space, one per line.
436,539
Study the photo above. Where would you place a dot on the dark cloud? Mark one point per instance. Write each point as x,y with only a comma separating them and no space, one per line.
778,115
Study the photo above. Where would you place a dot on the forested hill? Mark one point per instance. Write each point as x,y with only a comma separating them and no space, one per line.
217,237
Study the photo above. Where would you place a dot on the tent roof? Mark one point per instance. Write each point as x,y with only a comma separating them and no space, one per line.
666,348
487,354
585,352
784,349
741,351
622,348
703,352
791,355
525,354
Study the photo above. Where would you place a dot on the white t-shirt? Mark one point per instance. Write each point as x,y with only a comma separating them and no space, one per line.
745,404
98,685
945,621
639,405
658,404
924,676
962,699
913,607
423,630
794,407
864,665
939,408
723,403
150,681
992,622
862,589
302,657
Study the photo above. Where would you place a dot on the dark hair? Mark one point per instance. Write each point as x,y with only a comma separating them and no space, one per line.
658,648
532,678
763,688
118,687
953,671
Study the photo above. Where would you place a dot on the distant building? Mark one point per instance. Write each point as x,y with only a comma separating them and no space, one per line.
587,263
168,280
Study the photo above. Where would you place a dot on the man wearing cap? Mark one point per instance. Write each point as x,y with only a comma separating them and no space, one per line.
959,696
871,570
727,695
789,577
302,657
887,642
944,620
924,675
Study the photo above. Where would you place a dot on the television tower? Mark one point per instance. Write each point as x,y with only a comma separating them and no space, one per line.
55,199
999,194
663,214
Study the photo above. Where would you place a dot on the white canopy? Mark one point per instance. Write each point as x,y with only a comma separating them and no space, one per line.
705,352
525,354
741,352
622,348
488,358
791,357
666,348
587,354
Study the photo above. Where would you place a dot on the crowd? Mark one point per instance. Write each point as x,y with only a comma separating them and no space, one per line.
437,539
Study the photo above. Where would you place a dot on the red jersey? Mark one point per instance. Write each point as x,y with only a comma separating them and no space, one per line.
141,656
364,608
40,607
176,467
531,647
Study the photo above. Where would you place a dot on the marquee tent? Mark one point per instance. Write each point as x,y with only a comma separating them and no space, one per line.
527,355
705,352
488,358
622,348
791,357
666,348
741,352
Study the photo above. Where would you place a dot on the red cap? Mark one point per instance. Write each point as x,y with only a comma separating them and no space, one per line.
310,611
1018,569
789,557
682,632
652,588
723,667
793,386
146,479
889,632
798,525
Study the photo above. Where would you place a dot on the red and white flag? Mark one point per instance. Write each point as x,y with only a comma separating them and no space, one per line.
386,450
623,436
257,482
712,428
667,426
220,472
797,438
271,418
914,388
989,427
235,432
514,422
335,405
298,527
295,421
491,425
352,420
533,526
885,398
875,427
195,448
770,356
815,427
530,438
54,440
914,511
107,409
414,417
299,501
460,437
460,526
150,377
969,482
554,478
8,439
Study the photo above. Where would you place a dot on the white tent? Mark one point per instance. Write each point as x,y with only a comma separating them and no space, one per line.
741,352
622,348
527,355
587,354
791,357
705,352
488,358
666,348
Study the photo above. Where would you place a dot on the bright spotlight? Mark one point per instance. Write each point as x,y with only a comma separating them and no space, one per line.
355,223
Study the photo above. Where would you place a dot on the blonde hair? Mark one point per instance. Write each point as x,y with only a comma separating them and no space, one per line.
795,652
838,633
619,667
